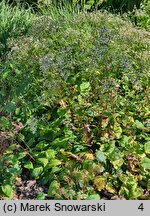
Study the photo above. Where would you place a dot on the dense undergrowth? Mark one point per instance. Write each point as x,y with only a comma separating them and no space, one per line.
74,105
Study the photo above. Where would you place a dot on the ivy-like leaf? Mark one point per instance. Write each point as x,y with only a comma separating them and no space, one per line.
147,147
145,163
7,190
139,125
42,161
54,186
53,163
28,165
36,172
93,197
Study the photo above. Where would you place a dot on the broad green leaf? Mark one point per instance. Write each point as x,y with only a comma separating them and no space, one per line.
124,192
85,87
108,147
60,142
42,161
41,145
5,75
53,163
21,155
54,186
28,165
50,154
61,112
145,163
147,147
123,178
137,124
7,190
11,107
110,188
100,156
36,172
17,111
136,192
93,197
55,169
41,196
117,163
4,122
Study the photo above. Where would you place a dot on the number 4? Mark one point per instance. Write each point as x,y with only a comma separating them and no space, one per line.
141,207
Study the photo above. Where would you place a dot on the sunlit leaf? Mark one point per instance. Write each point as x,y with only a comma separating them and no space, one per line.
28,165
53,163
50,154
42,161
145,163
54,186
85,87
139,125
36,172
41,196
93,197
7,190
147,147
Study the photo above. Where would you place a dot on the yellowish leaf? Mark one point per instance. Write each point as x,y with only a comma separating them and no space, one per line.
89,156
100,182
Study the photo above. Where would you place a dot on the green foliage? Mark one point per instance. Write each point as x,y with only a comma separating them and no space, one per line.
13,22
142,16
7,190
10,169
80,86
122,5
25,3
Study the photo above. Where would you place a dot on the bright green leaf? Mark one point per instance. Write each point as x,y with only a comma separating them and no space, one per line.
85,86
50,154
42,161
36,172
7,190
21,155
137,124
145,163
53,163
93,197
28,165
54,186
41,196
147,147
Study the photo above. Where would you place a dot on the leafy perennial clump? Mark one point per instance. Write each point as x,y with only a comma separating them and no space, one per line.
81,89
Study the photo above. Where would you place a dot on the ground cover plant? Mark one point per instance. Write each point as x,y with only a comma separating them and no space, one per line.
75,108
